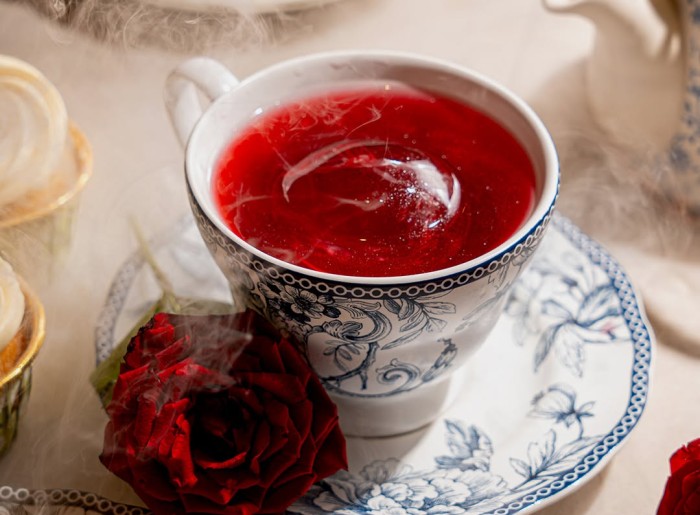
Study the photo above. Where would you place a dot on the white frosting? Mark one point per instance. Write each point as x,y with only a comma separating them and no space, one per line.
11,304
33,128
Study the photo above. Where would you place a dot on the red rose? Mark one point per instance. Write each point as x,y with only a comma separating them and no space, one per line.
682,493
219,414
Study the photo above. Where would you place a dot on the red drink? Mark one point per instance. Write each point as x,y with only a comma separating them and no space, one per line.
378,181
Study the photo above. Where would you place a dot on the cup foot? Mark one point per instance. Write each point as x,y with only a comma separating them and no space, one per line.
397,414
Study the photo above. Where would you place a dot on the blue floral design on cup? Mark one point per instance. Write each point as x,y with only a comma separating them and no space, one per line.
385,347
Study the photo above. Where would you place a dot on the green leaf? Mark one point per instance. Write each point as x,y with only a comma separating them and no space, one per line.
105,375
187,306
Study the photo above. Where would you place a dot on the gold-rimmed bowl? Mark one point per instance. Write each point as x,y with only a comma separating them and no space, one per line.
16,360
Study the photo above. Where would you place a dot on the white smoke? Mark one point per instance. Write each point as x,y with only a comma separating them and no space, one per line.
621,192
137,23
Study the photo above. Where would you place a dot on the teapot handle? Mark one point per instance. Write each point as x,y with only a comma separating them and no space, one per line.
182,88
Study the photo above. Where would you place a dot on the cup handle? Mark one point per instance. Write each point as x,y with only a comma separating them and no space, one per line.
182,89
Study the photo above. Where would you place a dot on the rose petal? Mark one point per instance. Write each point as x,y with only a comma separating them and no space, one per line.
325,410
220,486
123,398
261,441
208,412
159,507
691,503
237,454
175,455
144,419
282,495
303,465
294,361
281,428
672,493
261,327
188,376
173,353
213,334
690,485
246,398
163,424
157,334
280,463
269,350
685,455
239,475
676,486
694,449
219,414
242,438
285,387
332,452
249,361
234,461
113,456
151,478
196,504
303,415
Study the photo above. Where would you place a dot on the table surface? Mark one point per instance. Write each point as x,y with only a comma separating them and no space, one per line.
113,91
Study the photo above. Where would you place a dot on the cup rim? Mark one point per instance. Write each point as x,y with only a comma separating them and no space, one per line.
540,214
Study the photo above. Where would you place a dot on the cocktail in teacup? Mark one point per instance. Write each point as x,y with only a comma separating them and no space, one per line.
375,206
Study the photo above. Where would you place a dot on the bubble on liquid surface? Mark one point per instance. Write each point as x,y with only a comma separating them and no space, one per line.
404,186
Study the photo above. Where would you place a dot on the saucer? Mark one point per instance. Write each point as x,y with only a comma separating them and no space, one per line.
545,403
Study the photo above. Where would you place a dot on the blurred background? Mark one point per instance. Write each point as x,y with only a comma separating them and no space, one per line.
612,80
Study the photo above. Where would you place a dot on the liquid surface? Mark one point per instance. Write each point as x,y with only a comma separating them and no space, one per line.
382,181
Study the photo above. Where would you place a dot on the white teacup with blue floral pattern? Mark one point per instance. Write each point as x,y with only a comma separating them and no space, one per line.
389,350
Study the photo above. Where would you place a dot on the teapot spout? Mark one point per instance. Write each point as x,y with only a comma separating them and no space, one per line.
628,23
595,10
632,65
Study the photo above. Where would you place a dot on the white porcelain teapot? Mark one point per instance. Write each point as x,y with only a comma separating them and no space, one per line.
643,82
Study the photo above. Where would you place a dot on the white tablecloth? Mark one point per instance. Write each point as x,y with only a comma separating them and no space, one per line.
114,93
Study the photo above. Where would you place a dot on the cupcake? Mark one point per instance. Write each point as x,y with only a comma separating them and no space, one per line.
11,315
21,336
45,161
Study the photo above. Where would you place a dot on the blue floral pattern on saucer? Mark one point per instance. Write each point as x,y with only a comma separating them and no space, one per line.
552,394
572,299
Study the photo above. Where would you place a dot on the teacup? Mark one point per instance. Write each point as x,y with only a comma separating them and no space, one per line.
406,338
